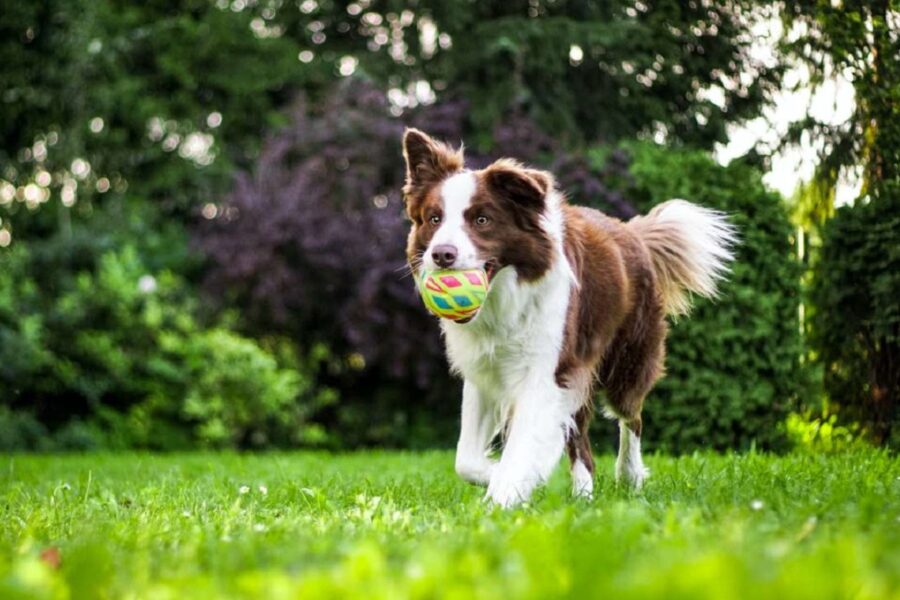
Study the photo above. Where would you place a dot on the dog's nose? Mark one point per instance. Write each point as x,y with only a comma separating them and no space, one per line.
444,255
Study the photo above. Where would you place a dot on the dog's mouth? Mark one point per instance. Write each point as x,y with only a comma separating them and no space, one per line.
490,269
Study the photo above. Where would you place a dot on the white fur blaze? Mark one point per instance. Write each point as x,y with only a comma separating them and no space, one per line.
691,248
630,467
456,195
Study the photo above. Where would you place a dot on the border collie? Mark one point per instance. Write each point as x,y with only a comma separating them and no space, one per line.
576,299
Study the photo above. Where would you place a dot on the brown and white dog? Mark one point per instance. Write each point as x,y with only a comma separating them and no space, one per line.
576,298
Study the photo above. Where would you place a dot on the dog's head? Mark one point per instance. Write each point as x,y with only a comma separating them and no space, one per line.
462,219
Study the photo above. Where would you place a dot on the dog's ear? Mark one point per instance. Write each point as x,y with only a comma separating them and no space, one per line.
525,189
543,179
427,161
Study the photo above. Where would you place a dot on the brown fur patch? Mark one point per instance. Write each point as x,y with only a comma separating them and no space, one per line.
513,199
578,445
615,326
428,162
600,303
422,231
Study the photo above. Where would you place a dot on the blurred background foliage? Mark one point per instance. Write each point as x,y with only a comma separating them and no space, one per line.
201,233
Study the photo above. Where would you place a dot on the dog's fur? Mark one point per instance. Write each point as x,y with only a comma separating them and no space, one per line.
577,298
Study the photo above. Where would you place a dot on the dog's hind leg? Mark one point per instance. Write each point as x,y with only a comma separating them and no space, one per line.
628,378
629,463
578,446
626,405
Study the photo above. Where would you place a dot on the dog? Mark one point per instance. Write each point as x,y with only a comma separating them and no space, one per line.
577,299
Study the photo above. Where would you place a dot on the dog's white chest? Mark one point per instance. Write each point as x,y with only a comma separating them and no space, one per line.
518,333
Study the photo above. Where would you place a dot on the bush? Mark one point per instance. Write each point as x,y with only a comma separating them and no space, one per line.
812,432
120,349
19,430
733,366
236,393
855,324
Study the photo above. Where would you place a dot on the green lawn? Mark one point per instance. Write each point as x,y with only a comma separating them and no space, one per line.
393,525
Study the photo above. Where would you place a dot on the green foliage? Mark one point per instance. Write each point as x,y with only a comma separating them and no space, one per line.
162,100
401,525
855,327
587,71
856,40
814,433
855,292
733,365
123,347
603,71
20,430
235,393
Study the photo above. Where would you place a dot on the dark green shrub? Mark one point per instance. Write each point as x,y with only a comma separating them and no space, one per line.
120,350
733,366
234,392
80,436
19,430
855,325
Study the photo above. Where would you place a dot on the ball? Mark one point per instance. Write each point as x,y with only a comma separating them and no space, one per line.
452,294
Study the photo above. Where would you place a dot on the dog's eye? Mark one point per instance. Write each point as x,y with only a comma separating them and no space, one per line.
434,219
482,220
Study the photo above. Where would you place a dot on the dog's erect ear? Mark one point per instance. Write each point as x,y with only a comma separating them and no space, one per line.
427,160
525,188
543,179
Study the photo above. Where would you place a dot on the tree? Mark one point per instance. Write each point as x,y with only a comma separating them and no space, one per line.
856,39
856,324
855,289
586,70
114,102
160,100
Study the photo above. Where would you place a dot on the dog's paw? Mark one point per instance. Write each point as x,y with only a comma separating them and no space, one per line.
582,482
477,472
507,493
632,475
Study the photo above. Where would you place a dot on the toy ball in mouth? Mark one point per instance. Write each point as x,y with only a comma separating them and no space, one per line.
454,295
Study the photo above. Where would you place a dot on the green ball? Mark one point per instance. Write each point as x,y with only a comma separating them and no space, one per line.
452,294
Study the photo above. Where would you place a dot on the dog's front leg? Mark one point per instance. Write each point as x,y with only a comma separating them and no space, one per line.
479,425
534,444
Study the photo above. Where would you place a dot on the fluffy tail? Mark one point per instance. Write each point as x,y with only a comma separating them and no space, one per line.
690,246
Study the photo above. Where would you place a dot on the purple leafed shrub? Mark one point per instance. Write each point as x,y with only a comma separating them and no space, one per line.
311,244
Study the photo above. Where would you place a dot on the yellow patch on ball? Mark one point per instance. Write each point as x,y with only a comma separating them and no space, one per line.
452,294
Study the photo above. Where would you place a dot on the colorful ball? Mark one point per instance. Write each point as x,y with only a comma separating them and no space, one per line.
452,294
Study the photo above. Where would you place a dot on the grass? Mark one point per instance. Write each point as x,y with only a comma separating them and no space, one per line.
394,525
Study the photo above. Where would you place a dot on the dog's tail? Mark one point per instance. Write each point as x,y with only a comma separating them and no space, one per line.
690,247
